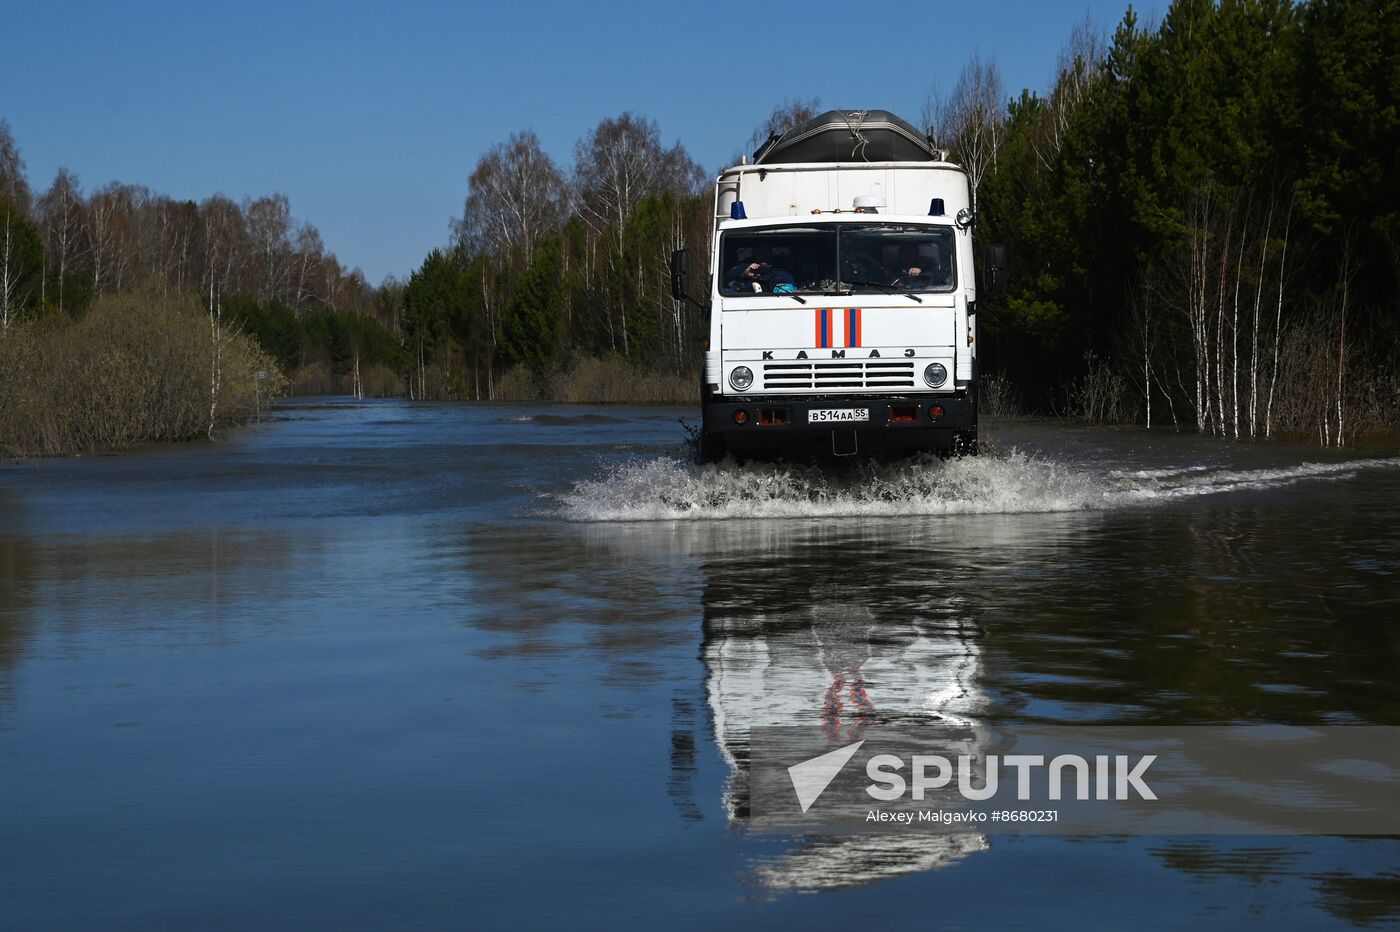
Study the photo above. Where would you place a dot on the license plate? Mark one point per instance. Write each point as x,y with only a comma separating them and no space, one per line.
827,415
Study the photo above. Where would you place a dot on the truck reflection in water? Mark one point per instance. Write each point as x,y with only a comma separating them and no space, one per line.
1165,617
819,635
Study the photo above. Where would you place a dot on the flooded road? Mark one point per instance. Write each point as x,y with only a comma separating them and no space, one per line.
376,665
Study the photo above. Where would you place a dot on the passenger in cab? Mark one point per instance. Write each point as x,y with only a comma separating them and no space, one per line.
756,273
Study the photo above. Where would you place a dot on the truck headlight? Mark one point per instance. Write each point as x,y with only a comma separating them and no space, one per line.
741,378
935,374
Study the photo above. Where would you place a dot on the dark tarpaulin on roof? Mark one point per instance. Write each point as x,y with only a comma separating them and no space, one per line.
848,136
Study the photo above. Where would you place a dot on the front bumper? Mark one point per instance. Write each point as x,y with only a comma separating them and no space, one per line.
766,415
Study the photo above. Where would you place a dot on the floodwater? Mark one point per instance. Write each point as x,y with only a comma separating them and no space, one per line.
384,665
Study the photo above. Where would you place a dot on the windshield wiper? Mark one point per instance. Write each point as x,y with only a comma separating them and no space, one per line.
890,289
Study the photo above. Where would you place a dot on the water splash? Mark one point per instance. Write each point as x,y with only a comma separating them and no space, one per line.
1193,481
1014,483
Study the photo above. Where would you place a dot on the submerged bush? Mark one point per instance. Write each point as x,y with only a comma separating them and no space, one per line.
134,369
1100,395
519,384
996,398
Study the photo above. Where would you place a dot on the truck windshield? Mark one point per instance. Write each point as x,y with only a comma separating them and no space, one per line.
850,259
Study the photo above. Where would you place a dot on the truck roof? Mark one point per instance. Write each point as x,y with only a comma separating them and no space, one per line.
750,168
838,136
846,217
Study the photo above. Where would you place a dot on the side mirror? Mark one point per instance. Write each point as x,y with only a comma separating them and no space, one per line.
680,274
994,269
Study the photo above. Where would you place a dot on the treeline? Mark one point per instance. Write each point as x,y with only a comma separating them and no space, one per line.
550,272
60,248
252,265
1204,219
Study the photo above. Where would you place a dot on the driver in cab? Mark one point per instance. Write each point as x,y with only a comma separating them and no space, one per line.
908,268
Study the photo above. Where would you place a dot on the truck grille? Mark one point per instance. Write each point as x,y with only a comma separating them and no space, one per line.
824,375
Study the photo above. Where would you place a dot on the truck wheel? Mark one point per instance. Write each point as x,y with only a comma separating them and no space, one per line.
965,444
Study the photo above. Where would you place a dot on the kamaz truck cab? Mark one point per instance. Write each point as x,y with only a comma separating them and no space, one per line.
842,296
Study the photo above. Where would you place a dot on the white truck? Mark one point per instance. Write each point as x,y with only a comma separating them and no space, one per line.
842,296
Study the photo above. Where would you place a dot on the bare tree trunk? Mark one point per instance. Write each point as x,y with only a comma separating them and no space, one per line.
1196,312
1347,271
1235,337
1221,426
678,307
1341,371
612,272
9,277
216,353
100,219
568,292
1278,322
1147,384
491,329
1254,329
1171,405
622,291
1141,308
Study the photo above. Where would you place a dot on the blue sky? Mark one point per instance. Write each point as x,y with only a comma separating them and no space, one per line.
370,116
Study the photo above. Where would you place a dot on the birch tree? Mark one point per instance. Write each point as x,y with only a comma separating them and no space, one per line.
310,254
619,164
176,231
9,266
13,186
1278,324
14,204
21,262
516,196
107,226
1080,63
970,122
61,216
222,232
269,221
